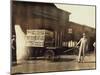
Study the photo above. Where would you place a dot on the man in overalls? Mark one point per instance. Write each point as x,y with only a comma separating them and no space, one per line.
83,47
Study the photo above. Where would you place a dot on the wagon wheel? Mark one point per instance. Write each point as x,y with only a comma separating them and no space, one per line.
76,51
49,55
57,58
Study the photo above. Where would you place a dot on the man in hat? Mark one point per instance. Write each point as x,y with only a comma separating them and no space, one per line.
13,47
94,45
83,47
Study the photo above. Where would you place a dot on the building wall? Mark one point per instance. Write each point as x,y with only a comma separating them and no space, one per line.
32,15
78,30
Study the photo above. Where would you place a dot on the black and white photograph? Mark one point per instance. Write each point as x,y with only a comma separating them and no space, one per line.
52,37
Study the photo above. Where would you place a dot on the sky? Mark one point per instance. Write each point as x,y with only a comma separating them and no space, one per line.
81,14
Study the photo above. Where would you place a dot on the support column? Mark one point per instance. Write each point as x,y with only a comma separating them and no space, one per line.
21,51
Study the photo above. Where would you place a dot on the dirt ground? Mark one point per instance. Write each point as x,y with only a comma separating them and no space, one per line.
66,63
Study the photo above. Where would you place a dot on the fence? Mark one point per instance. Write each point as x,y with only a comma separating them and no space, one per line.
69,43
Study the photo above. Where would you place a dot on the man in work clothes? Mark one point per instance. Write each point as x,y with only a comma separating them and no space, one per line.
83,47
13,46
94,45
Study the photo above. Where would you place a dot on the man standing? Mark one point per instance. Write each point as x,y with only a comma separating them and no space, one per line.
94,45
83,47
13,46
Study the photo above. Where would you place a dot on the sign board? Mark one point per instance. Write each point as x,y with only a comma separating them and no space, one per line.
36,37
36,32
35,43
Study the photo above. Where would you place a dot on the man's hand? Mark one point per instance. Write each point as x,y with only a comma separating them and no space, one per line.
76,46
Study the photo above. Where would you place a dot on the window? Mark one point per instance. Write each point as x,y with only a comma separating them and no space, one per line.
70,30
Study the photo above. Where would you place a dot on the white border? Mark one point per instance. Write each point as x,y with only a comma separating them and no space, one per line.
5,37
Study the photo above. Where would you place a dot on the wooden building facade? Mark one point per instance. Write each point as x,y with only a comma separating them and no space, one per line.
35,15
32,15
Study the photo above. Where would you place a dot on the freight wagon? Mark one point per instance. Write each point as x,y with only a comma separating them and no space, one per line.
41,42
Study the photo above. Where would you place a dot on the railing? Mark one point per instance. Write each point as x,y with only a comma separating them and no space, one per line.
69,43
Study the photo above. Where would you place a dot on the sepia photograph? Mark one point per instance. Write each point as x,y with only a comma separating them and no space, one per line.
52,37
